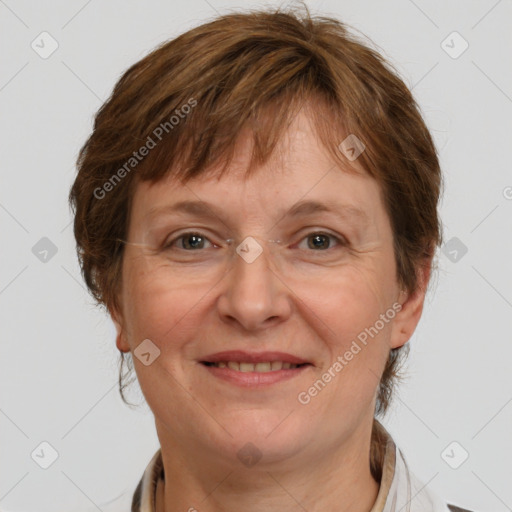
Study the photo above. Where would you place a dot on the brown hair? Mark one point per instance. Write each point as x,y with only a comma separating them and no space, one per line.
188,100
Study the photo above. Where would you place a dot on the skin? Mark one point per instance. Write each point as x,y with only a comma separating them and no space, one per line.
315,455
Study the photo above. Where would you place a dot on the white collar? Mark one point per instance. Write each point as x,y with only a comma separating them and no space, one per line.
400,490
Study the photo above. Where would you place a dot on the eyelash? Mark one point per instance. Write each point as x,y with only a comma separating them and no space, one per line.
341,241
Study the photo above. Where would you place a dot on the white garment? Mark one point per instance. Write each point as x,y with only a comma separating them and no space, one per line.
400,490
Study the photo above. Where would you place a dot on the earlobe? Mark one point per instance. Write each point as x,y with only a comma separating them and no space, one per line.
407,319
121,342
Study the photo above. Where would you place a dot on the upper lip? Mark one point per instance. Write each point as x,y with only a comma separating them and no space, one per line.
252,357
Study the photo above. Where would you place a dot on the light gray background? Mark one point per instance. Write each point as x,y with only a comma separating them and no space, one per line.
58,367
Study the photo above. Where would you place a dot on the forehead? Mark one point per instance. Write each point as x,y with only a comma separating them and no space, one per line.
300,169
298,154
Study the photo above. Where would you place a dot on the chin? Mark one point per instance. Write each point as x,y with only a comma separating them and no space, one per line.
277,432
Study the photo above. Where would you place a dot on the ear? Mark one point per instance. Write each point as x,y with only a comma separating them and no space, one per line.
117,318
408,317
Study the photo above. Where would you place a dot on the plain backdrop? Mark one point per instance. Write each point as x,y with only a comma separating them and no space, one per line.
58,365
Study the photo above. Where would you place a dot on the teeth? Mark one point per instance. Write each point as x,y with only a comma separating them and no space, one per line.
255,367
262,367
246,367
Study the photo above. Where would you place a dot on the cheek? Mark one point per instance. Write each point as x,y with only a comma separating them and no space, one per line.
156,307
351,299
346,315
163,313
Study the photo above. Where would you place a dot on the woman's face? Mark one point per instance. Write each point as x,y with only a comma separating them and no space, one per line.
326,294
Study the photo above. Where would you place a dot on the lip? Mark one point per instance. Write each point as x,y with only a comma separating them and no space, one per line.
254,379
253,357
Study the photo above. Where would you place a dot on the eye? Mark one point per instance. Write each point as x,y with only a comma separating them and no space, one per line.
193,241
322,241
189,241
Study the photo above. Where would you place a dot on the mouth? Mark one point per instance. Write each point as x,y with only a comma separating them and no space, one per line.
254,369
263,367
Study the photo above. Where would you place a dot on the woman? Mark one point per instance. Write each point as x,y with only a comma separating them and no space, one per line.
257,210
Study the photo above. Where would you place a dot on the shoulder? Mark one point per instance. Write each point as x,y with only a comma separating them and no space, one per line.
454,508
424,498
144,496
137,498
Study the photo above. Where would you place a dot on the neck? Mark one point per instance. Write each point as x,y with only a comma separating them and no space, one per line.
338,480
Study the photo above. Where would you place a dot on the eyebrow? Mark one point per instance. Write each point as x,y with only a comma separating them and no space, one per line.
300,209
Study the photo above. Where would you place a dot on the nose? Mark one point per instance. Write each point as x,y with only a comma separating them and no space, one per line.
253,294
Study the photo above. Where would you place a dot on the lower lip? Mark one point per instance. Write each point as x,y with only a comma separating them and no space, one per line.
254,379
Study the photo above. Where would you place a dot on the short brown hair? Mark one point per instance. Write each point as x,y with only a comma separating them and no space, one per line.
255,69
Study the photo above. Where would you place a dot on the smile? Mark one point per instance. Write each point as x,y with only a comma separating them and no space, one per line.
263,367
254,375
